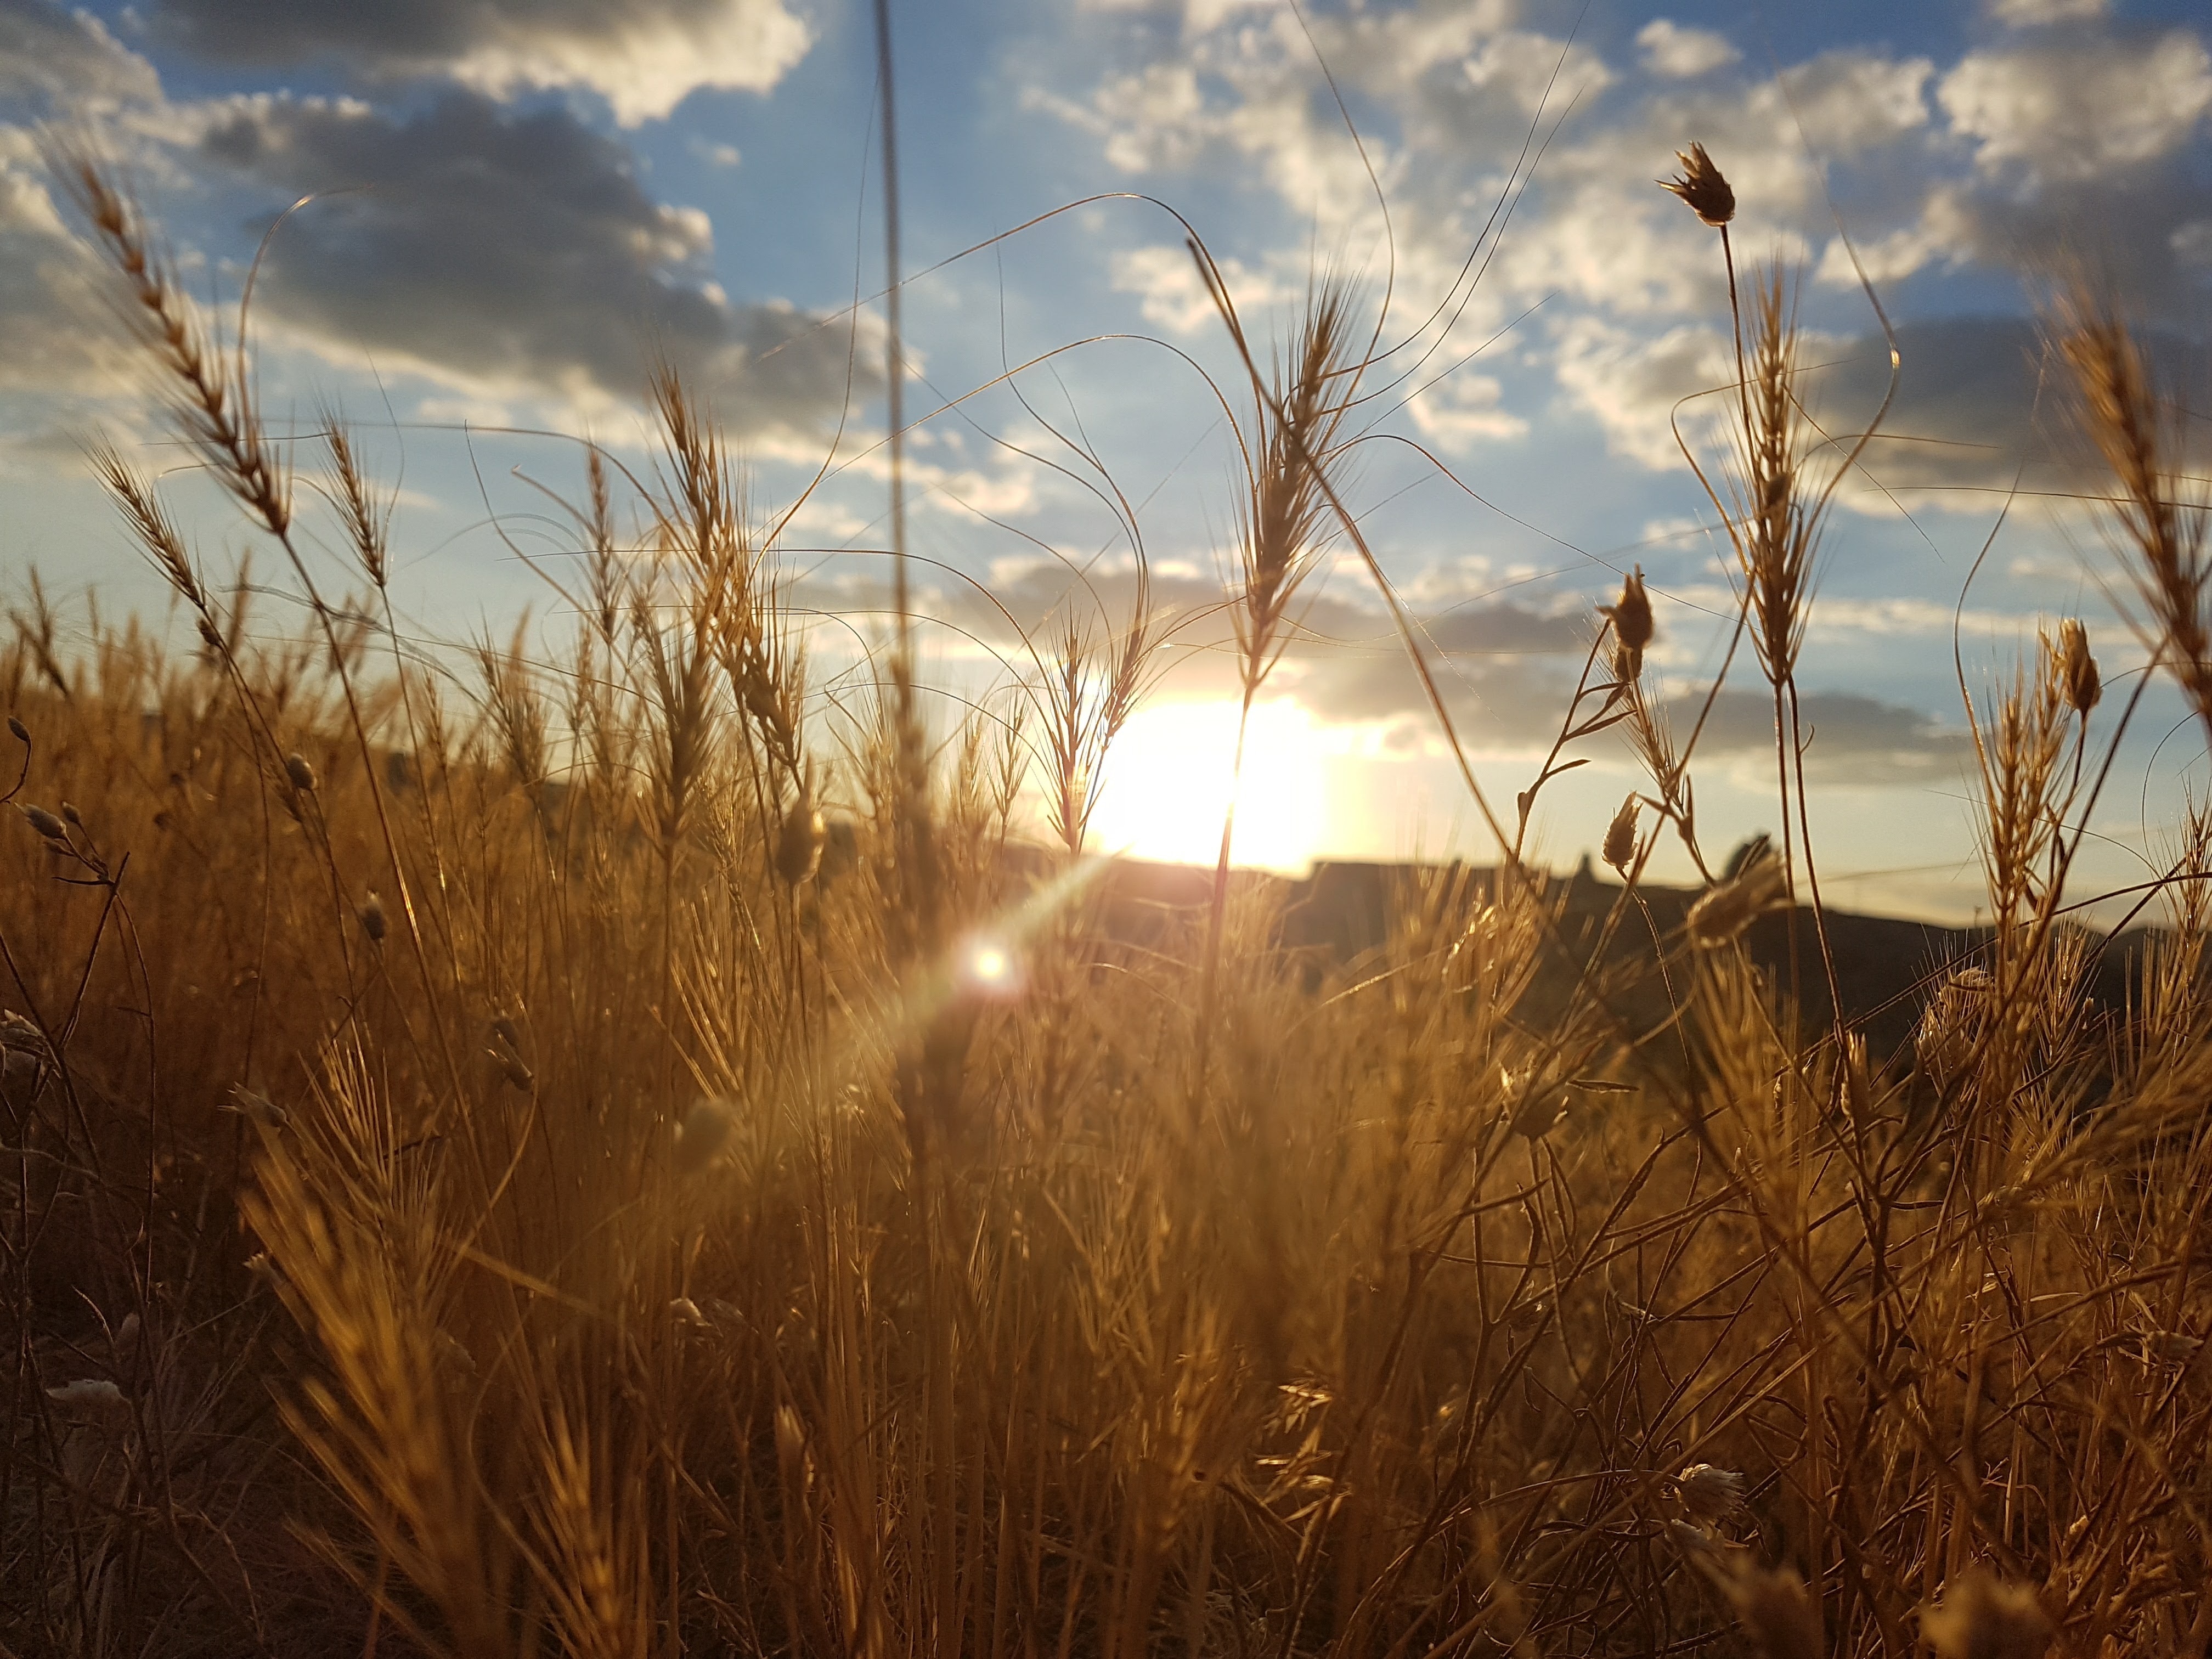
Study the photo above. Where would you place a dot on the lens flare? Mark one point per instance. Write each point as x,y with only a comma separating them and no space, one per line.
988,966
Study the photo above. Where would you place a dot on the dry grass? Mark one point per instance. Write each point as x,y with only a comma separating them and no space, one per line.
491,1172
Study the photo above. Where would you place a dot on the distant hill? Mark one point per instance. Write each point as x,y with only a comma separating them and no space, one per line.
1340,913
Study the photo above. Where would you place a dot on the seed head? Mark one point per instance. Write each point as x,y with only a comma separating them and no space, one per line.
1783,1621
1632,616
705,1128
1620,835
1701,186
372,917
1730,906
45,823
798,842
302,774
90,1398
1537,1107
1693,1541
1979,1618
22,731
17,1032
1953,1023
70,816
507,1049
1709,1492
252,1104
2079,669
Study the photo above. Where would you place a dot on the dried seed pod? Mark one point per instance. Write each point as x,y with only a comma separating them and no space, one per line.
508,1053
1701,186
705,1128
798,842
2077,668
1536,1106
45,823
1728,906
17,1032
1709,1494
1778,1615
1620,835
91,1399
372,917
1954,1024
22,731
252,1104
504,1028
1631,614
302,774
1979,1618
71,816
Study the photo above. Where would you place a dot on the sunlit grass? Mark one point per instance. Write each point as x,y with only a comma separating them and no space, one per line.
637,1152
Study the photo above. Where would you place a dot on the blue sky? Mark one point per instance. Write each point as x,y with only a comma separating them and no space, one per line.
520,201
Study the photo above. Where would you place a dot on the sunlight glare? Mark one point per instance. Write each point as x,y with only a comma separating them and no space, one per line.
989,968
1166,785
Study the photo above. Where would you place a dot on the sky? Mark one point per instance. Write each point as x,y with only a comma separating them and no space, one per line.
516,207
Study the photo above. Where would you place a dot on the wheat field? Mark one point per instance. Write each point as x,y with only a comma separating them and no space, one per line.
640,1154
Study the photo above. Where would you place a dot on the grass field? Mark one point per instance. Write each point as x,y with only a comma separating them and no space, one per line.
597,1158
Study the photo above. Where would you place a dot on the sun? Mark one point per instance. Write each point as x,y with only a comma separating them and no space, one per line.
1167,783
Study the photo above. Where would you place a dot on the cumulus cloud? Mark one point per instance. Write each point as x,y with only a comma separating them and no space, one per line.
1171,294
2029,13
508,254
1460,412
55,62
1677,51
54,338
1846,732
644,56
1634,385
2080,109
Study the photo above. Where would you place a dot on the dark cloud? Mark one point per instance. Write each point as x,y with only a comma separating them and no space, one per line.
1846,732
511,252
1965,412
1977,396
644,55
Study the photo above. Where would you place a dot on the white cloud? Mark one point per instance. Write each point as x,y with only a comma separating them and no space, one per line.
1174,296
645,57
1155,119
2082,110
644,72
65,61
1461,412
1525,66
2029,14
1943,234
1634,385
1674,50
54,336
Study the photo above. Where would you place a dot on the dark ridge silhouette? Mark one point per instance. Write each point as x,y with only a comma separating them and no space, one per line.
1337,916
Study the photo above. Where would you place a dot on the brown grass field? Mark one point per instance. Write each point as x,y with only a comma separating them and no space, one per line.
596,1158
